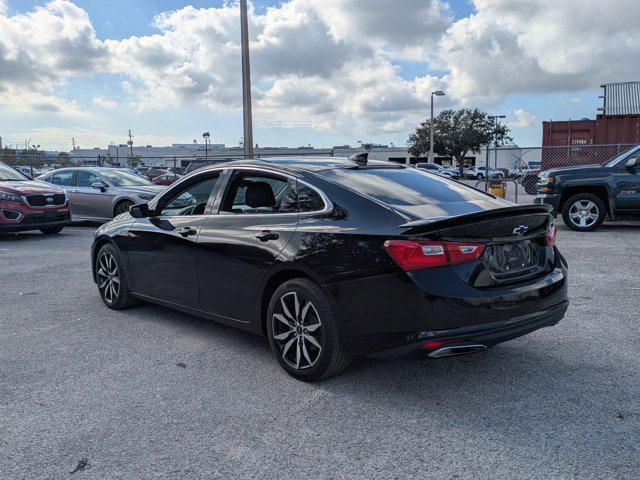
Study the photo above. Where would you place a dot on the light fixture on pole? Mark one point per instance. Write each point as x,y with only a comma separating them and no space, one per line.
206,136
438,93
246,82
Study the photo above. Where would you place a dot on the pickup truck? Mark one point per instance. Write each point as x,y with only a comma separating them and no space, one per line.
586,195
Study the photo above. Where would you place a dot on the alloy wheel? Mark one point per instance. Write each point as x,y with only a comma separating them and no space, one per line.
583,213
108,277
297,331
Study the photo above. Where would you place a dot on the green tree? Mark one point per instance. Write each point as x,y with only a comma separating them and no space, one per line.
457,133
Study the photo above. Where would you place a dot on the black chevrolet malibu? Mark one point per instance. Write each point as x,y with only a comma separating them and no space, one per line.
331,258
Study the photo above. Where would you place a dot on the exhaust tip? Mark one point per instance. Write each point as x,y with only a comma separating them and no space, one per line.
453,350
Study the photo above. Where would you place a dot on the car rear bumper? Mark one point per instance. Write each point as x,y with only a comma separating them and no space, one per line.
34,221
486,335
394,315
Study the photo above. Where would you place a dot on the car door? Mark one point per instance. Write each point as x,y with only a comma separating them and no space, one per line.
628,185
162,249
89,202
255,220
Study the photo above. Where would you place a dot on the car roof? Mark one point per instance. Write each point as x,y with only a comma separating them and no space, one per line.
303,164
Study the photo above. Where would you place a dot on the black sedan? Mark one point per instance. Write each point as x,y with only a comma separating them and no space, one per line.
331,258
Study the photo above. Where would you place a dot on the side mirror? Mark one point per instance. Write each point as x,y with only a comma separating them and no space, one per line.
140,210
99,186
633,163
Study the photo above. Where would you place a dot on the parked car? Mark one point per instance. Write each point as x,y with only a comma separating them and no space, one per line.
331,258
155,172
27,204
178,170
142,170
479,173
101,193
439,170
166,179
586,195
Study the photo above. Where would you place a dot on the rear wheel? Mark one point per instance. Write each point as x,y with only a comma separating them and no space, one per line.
583,212
122,207
479,176
51,230
303,332
112,281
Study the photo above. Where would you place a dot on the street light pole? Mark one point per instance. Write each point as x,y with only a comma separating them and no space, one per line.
246,81
438,93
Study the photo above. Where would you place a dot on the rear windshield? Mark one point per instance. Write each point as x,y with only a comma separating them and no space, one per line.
407,186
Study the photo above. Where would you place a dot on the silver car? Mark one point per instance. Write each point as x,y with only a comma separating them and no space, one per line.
101,193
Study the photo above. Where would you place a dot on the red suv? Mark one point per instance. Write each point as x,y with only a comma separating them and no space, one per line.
27,204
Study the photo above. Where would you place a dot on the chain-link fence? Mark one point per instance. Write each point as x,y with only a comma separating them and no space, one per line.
35,163
514,170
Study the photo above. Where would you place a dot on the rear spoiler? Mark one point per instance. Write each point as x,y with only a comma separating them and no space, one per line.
436,223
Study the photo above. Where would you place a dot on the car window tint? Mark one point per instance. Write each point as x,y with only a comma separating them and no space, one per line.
403,186
192,200
308,199
63,178
86,179
251,193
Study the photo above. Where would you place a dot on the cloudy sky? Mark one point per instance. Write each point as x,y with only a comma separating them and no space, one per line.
325,72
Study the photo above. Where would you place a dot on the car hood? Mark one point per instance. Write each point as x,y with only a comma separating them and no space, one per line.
28,187
591,170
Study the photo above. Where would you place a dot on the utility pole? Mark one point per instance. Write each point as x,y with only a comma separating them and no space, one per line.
246,81
130,143
73,143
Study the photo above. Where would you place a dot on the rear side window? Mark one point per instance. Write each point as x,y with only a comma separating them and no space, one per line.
308,199
404,186
252,193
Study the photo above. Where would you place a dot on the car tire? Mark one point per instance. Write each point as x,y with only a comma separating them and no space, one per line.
479,176
529,183
112,279
122,207
306,354
583,212
51,230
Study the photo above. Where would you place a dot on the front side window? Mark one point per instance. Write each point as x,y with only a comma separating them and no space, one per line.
64,178
192,200
87,179
257,193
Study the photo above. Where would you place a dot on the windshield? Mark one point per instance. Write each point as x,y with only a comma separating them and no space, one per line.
627,154
120,178
9,174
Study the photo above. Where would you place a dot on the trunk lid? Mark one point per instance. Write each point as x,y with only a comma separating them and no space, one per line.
514,242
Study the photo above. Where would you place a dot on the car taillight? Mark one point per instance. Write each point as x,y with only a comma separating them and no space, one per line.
550,237
413,255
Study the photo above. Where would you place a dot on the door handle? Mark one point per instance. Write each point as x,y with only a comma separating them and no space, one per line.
267,235
186,231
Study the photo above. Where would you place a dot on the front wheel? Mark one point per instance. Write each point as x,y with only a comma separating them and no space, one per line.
480,176
112,281
303,332
51,230
583,212
122,207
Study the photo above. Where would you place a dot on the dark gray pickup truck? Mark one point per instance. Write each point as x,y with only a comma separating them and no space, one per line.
585,195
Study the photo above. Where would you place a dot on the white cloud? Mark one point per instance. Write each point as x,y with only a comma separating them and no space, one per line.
104,103
523,118
524,46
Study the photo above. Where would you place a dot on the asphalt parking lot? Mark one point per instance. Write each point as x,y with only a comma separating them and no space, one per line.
153,393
